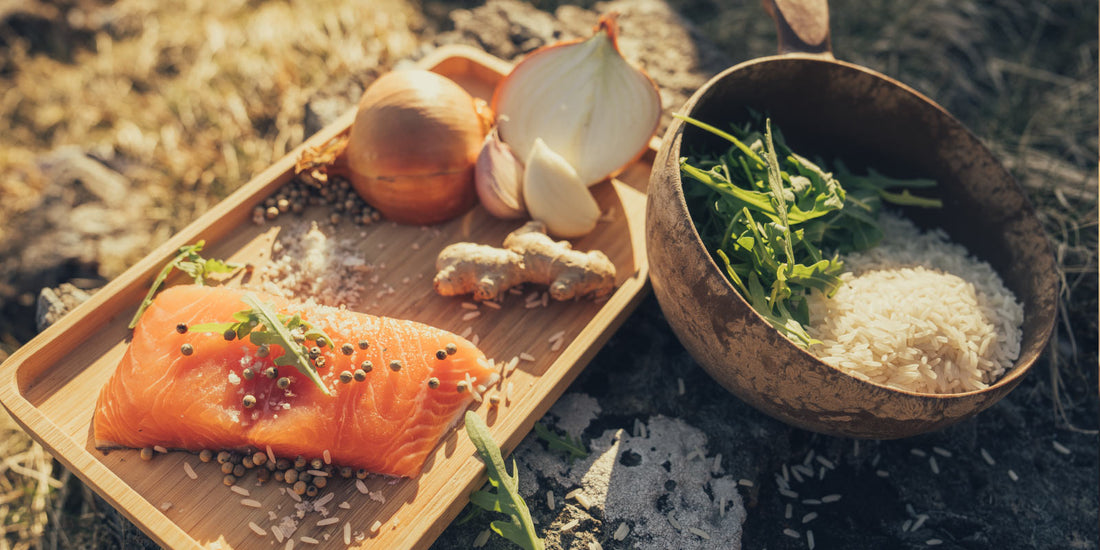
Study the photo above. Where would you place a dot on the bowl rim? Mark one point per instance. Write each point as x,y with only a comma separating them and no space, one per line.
674,137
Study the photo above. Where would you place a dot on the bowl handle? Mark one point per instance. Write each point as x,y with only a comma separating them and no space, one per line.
802,26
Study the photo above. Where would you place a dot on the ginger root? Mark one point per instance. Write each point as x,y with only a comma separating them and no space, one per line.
529,256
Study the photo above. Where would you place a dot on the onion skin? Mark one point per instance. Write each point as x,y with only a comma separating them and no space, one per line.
412,147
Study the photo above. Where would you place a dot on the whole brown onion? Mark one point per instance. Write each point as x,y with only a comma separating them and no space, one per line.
413,145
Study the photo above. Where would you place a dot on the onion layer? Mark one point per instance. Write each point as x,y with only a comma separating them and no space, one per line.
412,147
584,100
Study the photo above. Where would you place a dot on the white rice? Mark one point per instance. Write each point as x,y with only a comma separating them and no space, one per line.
917,313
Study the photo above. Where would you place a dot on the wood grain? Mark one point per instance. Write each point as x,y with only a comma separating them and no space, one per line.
50,385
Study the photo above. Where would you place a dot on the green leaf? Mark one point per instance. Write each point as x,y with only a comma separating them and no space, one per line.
573,448
292,353
189,262
217,328
506,499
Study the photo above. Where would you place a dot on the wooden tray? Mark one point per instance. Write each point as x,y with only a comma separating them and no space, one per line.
50,385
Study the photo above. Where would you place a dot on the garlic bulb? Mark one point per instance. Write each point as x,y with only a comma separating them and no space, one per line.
584,100
556,196
498,175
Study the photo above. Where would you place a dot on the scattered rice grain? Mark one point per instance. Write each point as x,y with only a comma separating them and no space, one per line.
621,532
830,498
809,539
942,452
699,533
257,529
933,542
792,533
251,503
239,490
375,527
1013,475
1061,448
308,540
987,457
809,517
918,452
328,521
934,465
482,538
190,471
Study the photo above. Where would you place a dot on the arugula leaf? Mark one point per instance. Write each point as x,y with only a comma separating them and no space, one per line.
506,499
263,326
768,214
189,261
573,448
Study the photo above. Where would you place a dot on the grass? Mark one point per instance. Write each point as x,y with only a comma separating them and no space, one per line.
191,98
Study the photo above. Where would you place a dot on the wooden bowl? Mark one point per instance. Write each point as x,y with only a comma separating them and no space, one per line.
836,109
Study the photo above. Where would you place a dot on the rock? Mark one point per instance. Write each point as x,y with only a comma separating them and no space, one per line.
53,303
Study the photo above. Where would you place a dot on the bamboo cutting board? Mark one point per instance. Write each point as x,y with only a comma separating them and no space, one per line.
50,385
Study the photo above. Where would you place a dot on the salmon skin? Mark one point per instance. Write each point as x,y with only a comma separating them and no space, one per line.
388,423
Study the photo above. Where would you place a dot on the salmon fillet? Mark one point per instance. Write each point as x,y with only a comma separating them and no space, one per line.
387,423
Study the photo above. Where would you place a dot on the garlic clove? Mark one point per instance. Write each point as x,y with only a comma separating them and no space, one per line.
584,100
556,196
498,175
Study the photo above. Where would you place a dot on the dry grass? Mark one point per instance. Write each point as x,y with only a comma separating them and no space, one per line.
189,99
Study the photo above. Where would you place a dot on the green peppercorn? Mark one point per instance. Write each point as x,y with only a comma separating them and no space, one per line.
345,377
451,349
359,375
187,349
347,349
249,401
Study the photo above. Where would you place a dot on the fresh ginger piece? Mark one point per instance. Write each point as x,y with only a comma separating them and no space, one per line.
529,256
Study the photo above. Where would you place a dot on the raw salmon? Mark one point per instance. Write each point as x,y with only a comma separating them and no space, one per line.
387,423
